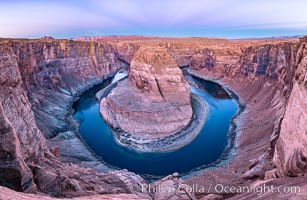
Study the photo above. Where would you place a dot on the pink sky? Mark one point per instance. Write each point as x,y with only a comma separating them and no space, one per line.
219,18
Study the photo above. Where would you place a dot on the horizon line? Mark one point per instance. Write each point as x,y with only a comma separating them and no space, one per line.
161,36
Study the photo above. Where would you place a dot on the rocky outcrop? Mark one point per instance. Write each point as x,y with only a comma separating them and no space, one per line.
290,156
14,173
155,100
171,187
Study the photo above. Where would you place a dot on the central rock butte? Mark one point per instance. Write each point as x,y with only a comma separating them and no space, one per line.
154,102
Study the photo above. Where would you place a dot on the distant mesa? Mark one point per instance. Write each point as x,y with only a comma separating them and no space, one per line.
46,38
303,39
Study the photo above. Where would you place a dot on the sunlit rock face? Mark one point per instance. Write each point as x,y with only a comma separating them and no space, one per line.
155,100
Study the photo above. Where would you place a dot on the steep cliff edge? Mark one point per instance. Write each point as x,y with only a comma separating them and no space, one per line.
290,156
54,73
21,141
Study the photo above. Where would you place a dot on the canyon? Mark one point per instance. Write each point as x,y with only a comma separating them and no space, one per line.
41,152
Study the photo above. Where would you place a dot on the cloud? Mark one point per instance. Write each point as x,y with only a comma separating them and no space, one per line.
38,18
32,18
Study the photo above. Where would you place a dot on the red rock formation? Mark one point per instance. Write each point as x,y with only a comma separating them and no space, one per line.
154,102
40,79
290,156
171,187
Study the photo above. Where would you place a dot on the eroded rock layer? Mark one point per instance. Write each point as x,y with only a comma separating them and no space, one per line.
155,100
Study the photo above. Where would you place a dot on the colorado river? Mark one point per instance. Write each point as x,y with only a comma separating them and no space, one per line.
206,148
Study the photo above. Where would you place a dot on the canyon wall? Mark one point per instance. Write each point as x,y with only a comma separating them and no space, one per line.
40,79
262,76
54,73
271,140
290,156
21,140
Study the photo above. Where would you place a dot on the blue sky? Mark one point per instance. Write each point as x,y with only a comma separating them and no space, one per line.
208,18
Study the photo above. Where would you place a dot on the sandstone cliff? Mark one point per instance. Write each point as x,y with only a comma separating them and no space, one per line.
290,156
55,72
21,140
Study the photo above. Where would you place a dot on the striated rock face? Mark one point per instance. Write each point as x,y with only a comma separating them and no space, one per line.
262,76
39,80
154,72
155,100
290,156
14,173
21,142
55,72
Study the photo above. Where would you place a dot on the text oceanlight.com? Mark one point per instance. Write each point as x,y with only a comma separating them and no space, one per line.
220,188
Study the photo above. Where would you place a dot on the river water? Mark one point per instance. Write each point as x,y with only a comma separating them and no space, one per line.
206,148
